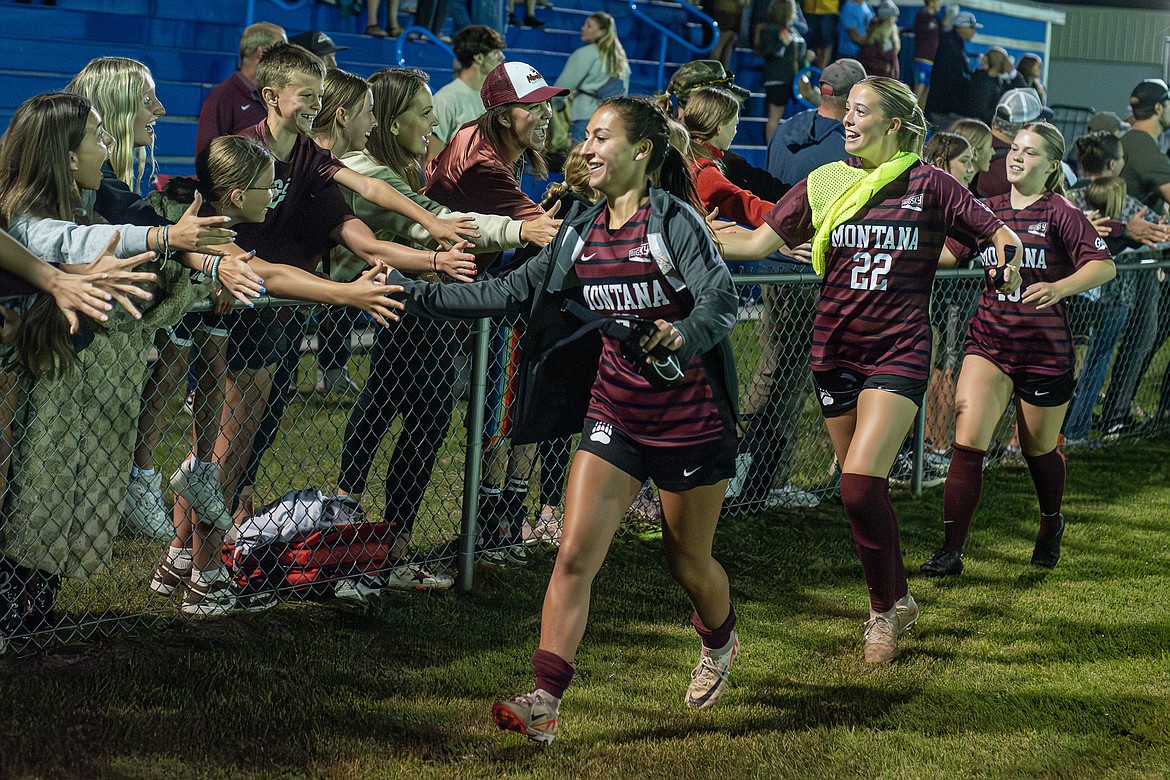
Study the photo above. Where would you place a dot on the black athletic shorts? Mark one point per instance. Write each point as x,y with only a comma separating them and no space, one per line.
839,389
262,337
1043,389
674,469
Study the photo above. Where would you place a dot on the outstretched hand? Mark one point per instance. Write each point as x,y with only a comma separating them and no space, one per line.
543,229
112,274
370,293
193,233
449,231
456,263
238,278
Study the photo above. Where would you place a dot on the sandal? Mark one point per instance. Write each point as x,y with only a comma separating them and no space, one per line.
375,31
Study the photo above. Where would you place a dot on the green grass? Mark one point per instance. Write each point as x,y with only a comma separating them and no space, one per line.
1009,673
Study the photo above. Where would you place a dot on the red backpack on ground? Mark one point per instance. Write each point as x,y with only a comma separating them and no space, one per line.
304,542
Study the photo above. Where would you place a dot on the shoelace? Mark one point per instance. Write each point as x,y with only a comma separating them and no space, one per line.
707,664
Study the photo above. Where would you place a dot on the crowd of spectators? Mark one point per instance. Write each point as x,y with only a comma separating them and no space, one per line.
380,184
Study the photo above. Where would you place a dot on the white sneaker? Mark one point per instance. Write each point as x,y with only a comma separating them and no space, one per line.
356,588
883,629
791,497
709,678
535,715
336,380
415,577
208,598
145,510
198,484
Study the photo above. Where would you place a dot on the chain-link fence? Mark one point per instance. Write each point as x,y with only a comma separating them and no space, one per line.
409,422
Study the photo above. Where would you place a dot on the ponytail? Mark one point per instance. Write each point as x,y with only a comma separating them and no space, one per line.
676,178
1053,148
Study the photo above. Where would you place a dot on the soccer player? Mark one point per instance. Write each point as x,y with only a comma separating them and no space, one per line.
1019,342
877,231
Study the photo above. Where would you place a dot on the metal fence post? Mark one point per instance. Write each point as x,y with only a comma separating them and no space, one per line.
473,461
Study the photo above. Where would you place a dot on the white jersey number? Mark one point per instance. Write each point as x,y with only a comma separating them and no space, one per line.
869,271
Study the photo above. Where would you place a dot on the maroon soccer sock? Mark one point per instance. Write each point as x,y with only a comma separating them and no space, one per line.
875,535
1048,474
553,673
961,494
715,638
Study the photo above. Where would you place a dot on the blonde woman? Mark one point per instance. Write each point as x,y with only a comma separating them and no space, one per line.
123,92
877,228
1019,345
595,72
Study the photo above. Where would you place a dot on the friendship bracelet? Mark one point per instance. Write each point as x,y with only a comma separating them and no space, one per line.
435,261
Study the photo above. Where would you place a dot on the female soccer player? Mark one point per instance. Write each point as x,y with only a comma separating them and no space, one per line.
1019,342
877,231
642,252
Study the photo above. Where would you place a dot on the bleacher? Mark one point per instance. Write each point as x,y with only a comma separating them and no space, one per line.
191,46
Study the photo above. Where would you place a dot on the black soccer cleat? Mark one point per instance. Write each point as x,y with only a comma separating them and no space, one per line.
944,563
1047,550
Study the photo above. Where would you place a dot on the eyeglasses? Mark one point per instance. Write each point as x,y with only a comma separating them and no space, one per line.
271,188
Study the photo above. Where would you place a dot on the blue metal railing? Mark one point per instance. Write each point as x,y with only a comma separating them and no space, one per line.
424,33
288,5
667,35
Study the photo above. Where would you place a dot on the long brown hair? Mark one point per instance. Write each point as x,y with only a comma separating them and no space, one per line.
35,178
394,89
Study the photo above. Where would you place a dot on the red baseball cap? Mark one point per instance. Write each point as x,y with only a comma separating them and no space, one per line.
516,82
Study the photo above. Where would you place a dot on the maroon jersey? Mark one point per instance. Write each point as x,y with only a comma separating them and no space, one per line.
306,206
618,276
926,29
872,315
1058,239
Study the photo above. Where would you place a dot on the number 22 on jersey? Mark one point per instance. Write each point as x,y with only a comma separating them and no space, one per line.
869,271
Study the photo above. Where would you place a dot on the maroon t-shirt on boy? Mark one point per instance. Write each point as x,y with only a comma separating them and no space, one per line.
306,206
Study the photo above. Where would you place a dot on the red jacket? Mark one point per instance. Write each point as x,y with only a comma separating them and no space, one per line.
734,203
469,175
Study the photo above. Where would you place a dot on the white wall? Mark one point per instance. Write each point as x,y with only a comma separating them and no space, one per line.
1101,52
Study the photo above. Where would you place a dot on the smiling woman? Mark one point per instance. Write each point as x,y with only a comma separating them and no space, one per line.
412,372
877,232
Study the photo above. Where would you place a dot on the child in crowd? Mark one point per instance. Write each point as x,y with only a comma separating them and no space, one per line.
307,215
238,176
926,33
711,119
123,92
1019,344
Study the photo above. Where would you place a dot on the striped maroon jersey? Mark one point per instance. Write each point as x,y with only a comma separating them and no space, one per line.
618,275
1058,239
872,315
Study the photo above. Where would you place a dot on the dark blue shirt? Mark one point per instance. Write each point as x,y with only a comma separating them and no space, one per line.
804,143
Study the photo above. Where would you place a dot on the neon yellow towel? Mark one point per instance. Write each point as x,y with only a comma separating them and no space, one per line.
837,191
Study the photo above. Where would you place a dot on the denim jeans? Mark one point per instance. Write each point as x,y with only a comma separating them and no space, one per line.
1112,313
